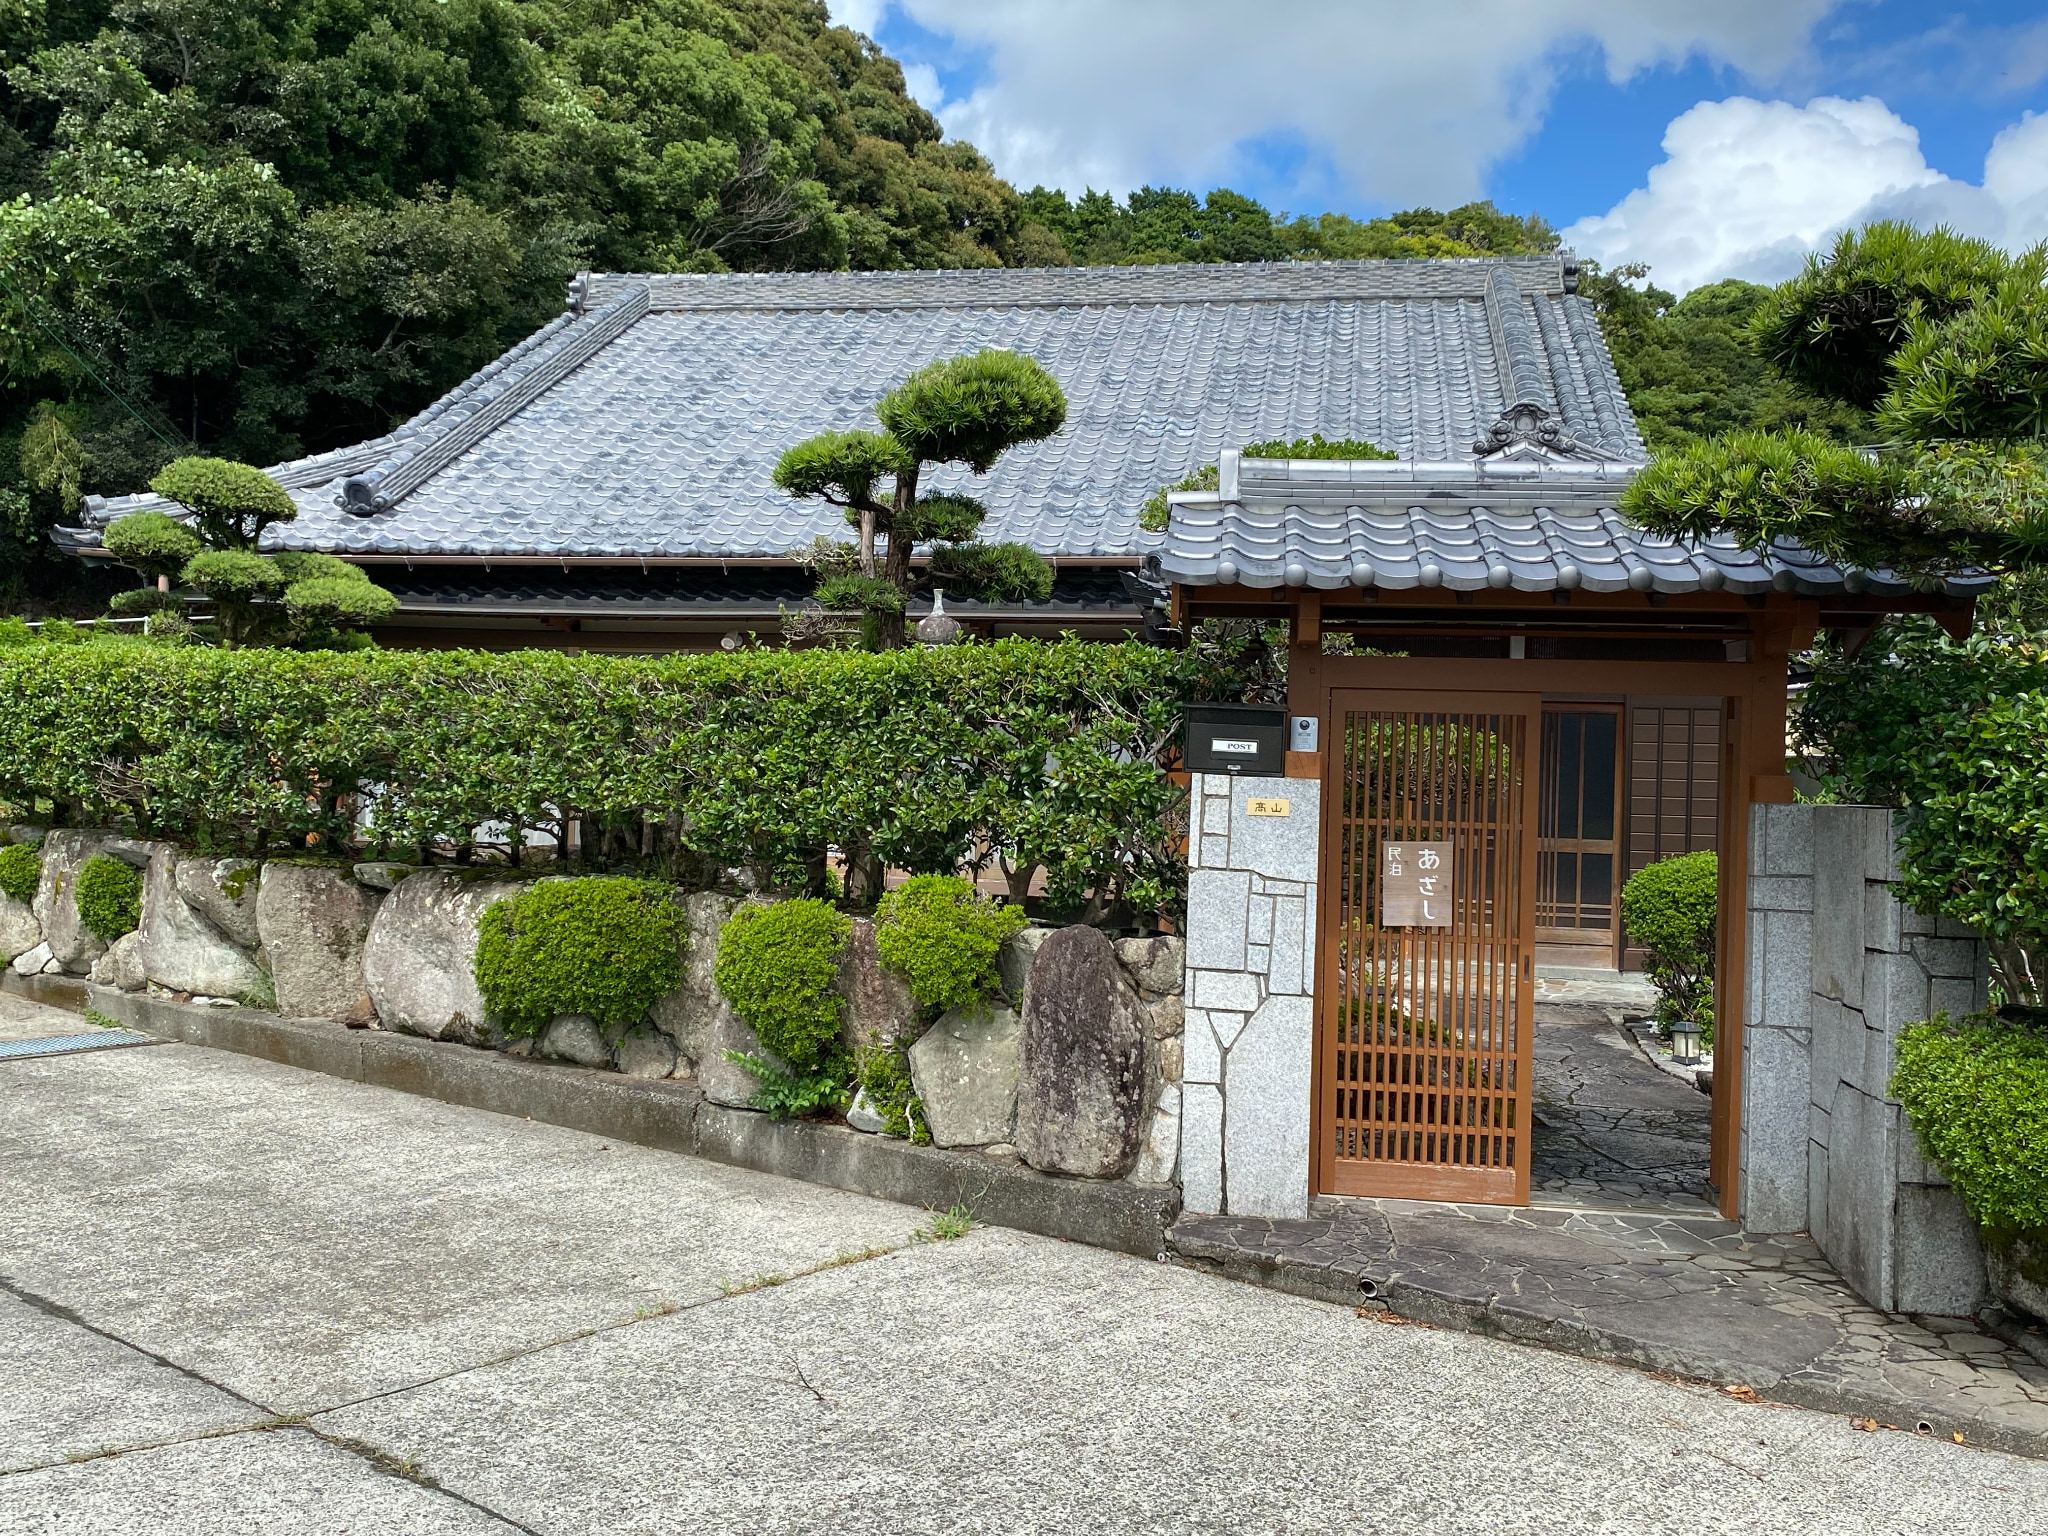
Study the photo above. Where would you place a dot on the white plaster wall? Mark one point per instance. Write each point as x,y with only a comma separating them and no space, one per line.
1250,1017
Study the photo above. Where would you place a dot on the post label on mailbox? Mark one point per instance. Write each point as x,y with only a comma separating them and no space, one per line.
1415,885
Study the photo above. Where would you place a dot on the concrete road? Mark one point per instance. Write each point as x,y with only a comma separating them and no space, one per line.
235,1297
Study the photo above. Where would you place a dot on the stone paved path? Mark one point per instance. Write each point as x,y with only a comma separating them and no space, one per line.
1685,1293
1611,1128
238,1299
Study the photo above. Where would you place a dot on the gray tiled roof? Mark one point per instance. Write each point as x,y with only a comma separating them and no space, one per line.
646,421
1527,527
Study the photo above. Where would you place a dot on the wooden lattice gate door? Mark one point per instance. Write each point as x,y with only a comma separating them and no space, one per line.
1425,1030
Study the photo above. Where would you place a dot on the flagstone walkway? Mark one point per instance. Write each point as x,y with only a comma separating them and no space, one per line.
1611,1128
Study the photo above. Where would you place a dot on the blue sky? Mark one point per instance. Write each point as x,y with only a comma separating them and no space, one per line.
1787,117
1927,62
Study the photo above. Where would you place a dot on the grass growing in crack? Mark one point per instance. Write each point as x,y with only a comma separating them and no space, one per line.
945,1226
657,1309
853,1256
757,1283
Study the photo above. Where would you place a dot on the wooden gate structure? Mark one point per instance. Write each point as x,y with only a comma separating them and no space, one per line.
1458,1002
1490,661
1426,1039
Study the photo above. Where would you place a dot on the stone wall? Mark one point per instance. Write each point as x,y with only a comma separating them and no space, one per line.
1837,967
1250,1017
1075,1070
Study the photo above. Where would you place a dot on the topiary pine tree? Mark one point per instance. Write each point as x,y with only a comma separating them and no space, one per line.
1946,340
965,410
312,601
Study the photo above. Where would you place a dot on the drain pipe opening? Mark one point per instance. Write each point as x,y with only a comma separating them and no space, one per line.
1369,1289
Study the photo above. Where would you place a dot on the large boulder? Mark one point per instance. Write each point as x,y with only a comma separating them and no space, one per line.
72,944
121,966
694,1008
224,892
1013,960
877,1007
19,930
965,1071
1081,1097
180,947
1156,965
32,962
646,1053
419,960
576,1037
727,1082
1159,1155
313,921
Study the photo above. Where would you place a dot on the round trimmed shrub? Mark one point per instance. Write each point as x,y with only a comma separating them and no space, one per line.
311,565
942,936
21,870
1977,1090
233,502
1669,908
233,575
338,600
605,945
154,543
776,965
109,897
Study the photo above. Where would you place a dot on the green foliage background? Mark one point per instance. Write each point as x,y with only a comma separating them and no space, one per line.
1047,754
280,229
605,946
109,897
1688,370
942,936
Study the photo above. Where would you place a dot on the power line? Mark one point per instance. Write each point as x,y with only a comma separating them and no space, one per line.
176,444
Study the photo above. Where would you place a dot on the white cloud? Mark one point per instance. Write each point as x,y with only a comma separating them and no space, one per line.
1388,100
861,15
922,81
1749,188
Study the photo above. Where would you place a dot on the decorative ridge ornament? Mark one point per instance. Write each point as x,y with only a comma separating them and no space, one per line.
1526,430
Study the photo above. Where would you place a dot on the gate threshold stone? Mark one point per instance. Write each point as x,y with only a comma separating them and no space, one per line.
1665,1291
673,1117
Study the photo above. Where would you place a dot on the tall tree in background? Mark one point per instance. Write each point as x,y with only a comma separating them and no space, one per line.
1944,340
260,230
1690,369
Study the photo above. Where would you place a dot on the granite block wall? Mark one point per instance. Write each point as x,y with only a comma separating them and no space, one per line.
1250,1012
1837,967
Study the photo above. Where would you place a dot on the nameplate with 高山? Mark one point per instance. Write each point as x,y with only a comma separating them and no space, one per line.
1415,885
1256,806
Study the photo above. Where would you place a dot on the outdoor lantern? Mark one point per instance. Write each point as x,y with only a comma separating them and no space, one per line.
1685,1043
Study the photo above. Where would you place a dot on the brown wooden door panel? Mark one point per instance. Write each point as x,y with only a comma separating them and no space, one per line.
1425,1037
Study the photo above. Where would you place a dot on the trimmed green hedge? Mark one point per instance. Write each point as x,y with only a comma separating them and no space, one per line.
109,897
942,936
757,759
604,946
1977,1090
21,870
